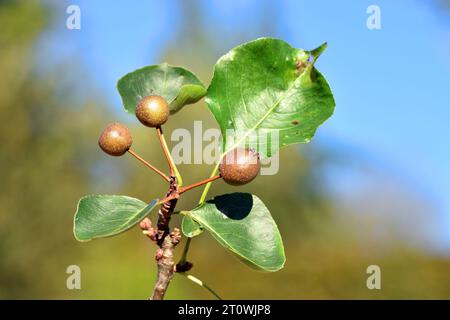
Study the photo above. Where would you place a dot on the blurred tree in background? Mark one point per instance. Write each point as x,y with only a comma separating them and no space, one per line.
45,158
49,158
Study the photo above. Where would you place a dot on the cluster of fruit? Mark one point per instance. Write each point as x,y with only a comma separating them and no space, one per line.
239,166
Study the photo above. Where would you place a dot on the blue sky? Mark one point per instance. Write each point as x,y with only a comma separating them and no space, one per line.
392,86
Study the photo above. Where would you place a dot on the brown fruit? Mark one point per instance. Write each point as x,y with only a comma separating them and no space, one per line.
152,111
115,140
240,166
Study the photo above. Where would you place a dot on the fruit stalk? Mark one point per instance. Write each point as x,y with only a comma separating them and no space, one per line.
148,165
200,183
173,168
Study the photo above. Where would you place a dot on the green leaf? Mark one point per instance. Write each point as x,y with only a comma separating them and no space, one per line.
175,84
319,50
266,87
189,93
100,216
190,228
242,223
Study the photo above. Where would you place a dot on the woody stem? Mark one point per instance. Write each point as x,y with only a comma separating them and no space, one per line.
166,241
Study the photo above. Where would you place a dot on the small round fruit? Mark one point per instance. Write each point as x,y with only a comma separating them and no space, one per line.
240,166
115,140
152,111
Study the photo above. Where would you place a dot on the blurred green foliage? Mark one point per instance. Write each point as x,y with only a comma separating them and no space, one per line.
49,159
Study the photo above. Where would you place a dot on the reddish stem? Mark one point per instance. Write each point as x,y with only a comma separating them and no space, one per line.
134,154
198,184
169,198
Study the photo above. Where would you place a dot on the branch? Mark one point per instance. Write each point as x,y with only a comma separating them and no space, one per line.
165,240
166,264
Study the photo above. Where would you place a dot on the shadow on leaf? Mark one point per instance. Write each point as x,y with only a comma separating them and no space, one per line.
235,206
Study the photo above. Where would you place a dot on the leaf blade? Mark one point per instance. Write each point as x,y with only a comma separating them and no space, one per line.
241,223
266,86
190,227
176,85
99,216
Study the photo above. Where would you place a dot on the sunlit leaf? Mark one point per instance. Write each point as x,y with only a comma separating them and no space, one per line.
190,228
175,84
242,223
100,216
268,87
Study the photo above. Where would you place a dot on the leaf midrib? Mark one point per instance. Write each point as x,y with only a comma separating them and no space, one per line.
271,109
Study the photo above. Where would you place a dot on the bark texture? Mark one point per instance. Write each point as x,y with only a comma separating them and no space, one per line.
166,241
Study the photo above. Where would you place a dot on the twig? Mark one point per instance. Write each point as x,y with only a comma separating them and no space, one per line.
134,154
195,185
165,240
